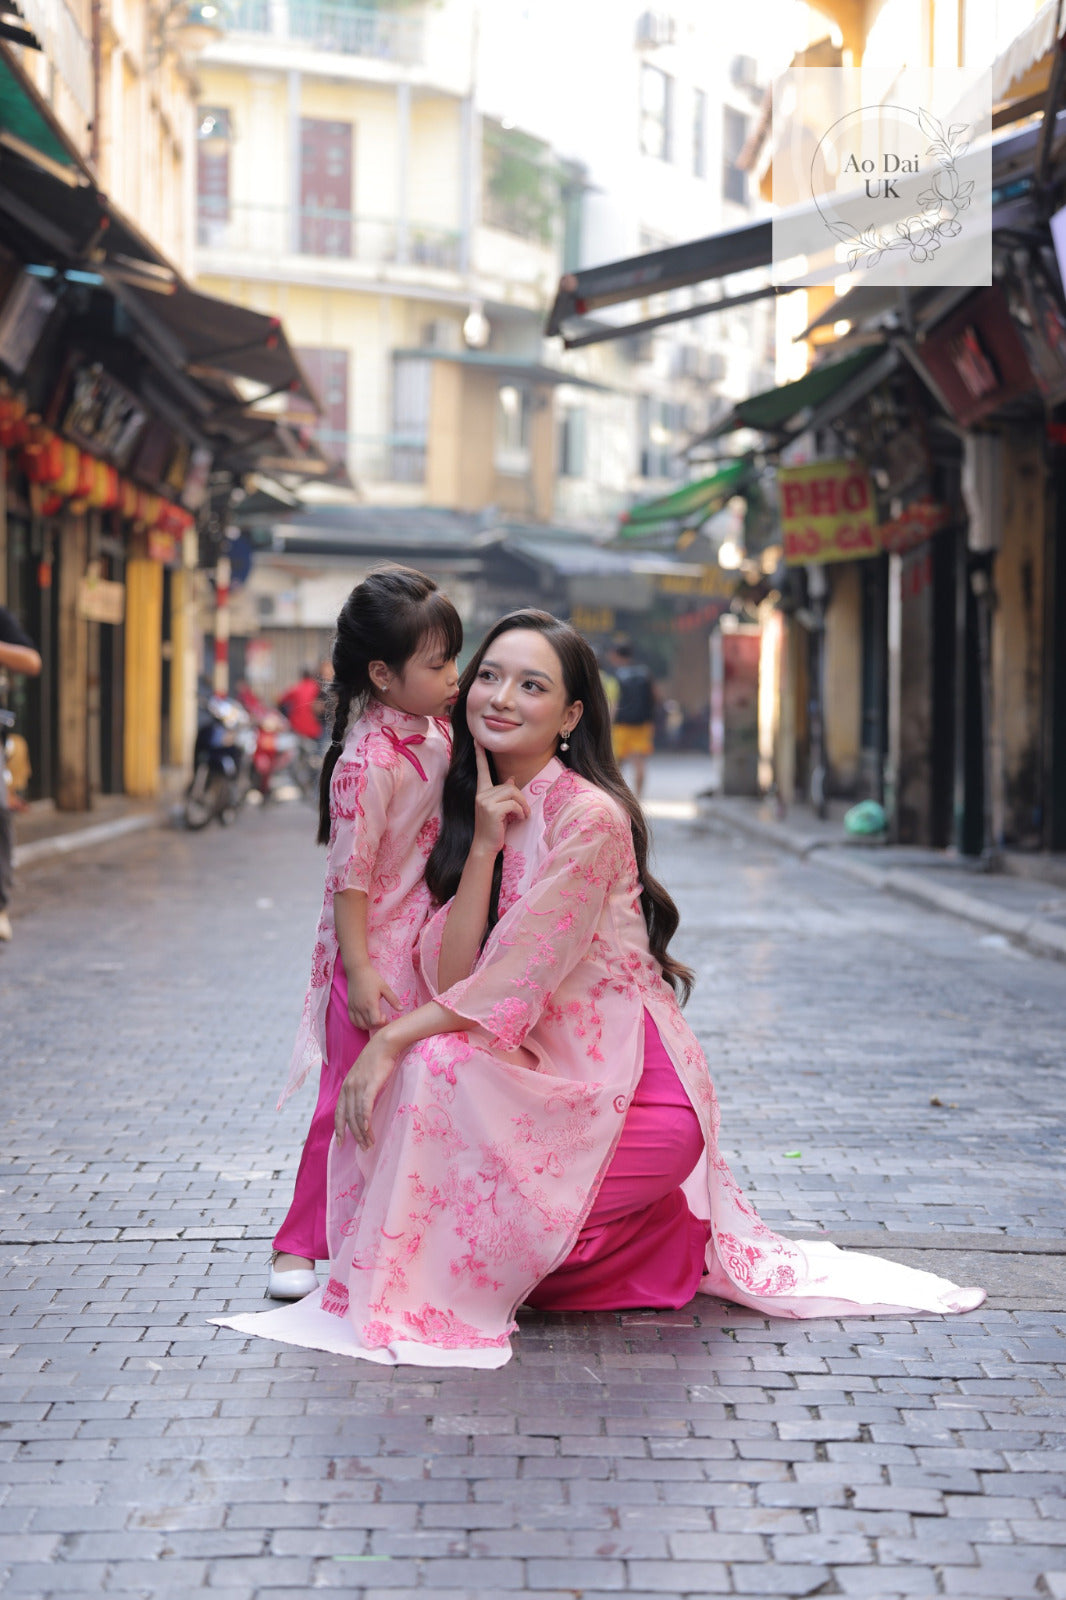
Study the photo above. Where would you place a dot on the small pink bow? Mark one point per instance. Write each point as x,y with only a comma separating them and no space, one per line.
403,746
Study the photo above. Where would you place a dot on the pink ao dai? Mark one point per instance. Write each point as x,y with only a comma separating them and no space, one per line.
491,1143
384,819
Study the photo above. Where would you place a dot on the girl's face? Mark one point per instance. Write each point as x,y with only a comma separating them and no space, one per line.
518,704
427,686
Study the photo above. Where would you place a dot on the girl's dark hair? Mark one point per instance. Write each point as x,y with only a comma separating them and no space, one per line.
388,617
590,755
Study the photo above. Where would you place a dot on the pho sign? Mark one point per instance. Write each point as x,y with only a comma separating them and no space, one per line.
827,513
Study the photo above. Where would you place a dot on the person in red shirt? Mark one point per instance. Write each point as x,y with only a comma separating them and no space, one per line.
302,704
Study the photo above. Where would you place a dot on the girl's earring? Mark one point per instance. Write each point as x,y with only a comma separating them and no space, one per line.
565,745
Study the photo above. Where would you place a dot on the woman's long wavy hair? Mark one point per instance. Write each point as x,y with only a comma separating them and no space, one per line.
388,617
590,755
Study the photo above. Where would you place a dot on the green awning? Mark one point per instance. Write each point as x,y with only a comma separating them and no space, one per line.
687,507
27,125
770,411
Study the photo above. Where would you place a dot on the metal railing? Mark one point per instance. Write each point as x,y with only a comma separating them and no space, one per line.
333,26
324,233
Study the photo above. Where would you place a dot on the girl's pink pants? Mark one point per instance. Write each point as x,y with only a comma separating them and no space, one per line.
303,1233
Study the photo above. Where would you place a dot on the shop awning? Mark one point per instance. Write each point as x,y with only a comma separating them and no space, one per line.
208,336
515,368
718,256
28,126
774,409
687,507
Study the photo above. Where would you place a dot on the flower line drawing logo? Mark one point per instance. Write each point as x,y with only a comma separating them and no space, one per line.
922,232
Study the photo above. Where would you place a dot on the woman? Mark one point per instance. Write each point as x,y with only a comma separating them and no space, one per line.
545,1129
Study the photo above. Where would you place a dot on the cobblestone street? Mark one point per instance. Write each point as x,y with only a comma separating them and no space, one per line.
886,1073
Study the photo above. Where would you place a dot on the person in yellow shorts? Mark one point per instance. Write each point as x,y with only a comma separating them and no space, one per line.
633,724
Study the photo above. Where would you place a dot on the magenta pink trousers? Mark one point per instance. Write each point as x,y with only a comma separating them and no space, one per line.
640,1244
303,1233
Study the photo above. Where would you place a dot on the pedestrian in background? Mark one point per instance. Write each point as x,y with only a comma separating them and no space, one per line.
633,712
302,704
394,683
17,654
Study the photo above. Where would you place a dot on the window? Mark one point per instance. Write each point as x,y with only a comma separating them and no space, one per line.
734,137
656,112
213,138
412,382
325,188
699,134
659,423
572,442
327,373
512,429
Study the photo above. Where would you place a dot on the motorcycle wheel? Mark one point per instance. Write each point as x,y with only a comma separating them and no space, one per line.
228,801
199,799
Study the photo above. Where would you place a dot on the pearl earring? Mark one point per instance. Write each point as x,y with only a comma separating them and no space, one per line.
565,745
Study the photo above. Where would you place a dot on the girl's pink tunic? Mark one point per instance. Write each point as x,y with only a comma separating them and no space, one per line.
385,817
491,1143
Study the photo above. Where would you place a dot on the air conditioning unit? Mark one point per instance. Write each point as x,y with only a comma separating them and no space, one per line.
655,28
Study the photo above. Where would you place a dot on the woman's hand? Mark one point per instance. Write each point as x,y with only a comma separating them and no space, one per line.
366,990
360,1089
495,805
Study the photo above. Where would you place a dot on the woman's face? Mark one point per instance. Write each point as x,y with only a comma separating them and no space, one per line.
518,705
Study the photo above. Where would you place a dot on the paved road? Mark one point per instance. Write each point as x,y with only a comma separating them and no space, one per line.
885,1073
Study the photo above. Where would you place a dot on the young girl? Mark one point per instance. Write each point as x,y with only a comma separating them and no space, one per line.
545,1128
394,667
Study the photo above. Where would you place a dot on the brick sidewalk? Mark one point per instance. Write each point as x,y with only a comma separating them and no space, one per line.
885,1076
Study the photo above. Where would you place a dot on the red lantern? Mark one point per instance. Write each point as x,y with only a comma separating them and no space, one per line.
42,456
13,428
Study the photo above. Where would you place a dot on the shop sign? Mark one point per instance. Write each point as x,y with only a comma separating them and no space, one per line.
976,358
194,491
708,580
102,416
827,512
592,619
26,310
1040,322
916,523
100,600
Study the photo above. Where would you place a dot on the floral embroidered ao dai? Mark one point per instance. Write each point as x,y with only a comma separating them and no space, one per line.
385,817
490,1143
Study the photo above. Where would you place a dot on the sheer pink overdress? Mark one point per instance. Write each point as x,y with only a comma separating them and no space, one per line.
491,1145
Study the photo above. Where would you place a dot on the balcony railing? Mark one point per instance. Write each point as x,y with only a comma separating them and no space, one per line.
332,26
317,231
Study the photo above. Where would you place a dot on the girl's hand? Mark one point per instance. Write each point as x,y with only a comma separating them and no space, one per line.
366,990
360,1089
495,805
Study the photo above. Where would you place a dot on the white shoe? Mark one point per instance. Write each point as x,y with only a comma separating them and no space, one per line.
6,931
291,1285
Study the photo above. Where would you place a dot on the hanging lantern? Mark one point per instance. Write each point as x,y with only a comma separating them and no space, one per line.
42,455
84,478
128,500
66,483
104,493
13,427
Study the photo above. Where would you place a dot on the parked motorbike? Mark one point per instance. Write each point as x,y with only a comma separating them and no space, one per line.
222,762
283,759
